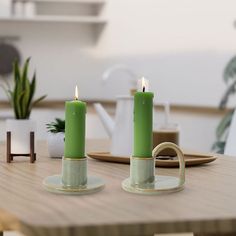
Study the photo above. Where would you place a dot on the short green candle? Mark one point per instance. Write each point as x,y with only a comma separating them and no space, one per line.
75,129
143,116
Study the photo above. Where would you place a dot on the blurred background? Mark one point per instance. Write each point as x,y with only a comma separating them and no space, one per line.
181,47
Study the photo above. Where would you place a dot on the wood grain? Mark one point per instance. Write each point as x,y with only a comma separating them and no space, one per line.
8,221
206,205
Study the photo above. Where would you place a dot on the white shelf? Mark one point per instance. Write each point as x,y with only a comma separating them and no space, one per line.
56,19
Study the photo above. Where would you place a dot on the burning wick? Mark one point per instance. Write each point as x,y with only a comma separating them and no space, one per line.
76,93
143,84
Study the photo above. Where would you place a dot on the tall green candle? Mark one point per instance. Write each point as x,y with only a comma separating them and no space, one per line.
143,118
75,128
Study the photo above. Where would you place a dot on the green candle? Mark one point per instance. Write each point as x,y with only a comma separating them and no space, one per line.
75,128
143,112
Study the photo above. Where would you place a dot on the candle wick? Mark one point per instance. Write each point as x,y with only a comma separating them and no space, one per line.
143,88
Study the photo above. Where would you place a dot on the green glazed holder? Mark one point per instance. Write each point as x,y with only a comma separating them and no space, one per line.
74,179
143,180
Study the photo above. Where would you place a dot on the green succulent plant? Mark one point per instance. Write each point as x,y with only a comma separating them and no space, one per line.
56,126
21,96
229,76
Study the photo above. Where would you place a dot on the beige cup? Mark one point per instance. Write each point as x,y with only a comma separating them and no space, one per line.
163,134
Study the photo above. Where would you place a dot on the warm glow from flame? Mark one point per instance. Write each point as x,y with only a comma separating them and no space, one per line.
76,93
143,84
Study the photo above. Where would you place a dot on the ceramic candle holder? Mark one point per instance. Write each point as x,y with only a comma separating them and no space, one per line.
74,172
74,179
142,171
143,180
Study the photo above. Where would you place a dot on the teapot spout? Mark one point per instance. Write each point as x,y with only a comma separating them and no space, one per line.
107,121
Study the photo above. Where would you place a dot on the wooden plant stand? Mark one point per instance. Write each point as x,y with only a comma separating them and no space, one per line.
10,155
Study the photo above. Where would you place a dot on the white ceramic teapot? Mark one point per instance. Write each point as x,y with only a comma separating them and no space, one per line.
120,130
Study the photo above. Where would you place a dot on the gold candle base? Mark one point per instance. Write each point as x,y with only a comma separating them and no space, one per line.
142,174
74,179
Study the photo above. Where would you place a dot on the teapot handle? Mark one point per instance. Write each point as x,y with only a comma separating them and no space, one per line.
180,155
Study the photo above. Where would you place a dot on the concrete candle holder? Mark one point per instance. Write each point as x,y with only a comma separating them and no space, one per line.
74,179
143,180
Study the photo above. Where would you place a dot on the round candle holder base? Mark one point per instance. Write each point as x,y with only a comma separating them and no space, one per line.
54,184
161,184
143,180
74,179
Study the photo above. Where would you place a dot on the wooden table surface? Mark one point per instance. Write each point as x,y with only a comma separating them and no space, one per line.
206,205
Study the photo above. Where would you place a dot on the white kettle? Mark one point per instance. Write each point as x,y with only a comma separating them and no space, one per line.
120,130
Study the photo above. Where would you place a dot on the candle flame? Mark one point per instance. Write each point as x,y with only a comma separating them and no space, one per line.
143,84
76,93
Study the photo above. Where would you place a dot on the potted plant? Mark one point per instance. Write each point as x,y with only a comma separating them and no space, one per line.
21,99
56,137
229,76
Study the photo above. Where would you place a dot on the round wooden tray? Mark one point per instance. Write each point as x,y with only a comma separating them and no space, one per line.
191,159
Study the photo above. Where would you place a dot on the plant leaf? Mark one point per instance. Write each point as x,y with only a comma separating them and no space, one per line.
32,88
16,71
15,99
219,146
24,76
6,90
25,99
230,70
38,100
21,96
224,125
56,126
230,91
19,106
35,103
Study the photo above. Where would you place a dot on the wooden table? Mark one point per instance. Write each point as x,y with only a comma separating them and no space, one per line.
207,205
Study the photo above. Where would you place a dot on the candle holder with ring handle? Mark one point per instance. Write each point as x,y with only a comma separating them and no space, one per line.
143,180
74,179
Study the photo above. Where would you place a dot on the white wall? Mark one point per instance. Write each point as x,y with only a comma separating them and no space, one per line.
182,46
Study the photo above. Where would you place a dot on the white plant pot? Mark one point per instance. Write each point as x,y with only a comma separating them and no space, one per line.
56,144
20,134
